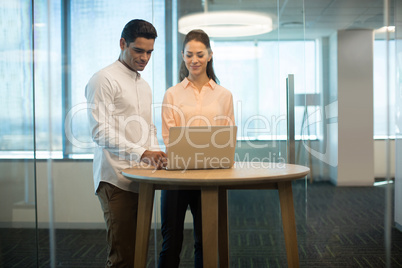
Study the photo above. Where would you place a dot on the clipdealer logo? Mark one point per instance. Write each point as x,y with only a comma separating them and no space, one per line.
331,112
115,127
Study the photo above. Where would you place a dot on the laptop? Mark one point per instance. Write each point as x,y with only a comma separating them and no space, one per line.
201,147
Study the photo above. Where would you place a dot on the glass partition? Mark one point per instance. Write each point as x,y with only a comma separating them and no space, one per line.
18,210
49,214
398,120
255,68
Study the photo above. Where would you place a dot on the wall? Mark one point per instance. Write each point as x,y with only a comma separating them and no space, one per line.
74,200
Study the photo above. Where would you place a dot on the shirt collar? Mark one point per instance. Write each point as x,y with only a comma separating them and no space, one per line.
186,83
133,74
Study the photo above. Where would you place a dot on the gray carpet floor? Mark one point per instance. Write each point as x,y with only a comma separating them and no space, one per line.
336,227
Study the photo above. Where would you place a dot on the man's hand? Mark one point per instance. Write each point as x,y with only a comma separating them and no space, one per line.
156,158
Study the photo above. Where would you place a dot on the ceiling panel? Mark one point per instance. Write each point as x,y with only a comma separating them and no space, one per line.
355,11
317,3
356,3
322,17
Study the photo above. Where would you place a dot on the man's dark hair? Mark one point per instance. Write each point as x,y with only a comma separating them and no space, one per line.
138,28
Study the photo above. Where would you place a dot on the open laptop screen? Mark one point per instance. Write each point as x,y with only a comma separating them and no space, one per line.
201,147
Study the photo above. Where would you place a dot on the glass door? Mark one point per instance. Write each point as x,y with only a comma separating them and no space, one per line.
288,69
18,210
254,66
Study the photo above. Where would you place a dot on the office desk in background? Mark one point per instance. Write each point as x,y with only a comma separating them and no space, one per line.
214,184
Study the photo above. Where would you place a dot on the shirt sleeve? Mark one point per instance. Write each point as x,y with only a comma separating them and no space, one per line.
230,112
227,116
168,119
104,128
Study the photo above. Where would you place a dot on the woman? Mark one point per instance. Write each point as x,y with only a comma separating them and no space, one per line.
196,101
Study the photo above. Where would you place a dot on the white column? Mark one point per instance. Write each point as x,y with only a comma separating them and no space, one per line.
354,84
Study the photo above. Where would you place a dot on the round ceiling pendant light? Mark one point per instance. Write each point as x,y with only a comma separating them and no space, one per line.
227,23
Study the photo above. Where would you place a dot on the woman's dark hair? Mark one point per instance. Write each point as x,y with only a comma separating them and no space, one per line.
138,28
200,36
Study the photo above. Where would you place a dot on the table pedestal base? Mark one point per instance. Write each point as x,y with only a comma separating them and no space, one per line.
215,223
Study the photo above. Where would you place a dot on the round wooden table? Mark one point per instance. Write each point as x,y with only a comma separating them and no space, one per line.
214,184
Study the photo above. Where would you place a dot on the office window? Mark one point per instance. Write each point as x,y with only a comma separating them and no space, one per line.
95,33
243,67
380,89
47,69
256,72
24,65
16,103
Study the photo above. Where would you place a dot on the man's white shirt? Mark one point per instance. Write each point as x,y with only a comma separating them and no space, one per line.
120,119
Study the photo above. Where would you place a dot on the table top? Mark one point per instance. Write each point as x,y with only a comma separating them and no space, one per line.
240,173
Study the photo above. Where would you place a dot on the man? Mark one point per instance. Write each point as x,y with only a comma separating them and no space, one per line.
121,126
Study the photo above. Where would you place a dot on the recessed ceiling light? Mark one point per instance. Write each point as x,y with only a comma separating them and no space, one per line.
227,23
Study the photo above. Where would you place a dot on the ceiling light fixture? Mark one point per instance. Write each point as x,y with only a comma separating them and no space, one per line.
227,23
384,29
291,24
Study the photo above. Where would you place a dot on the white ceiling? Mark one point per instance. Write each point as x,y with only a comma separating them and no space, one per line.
321,17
